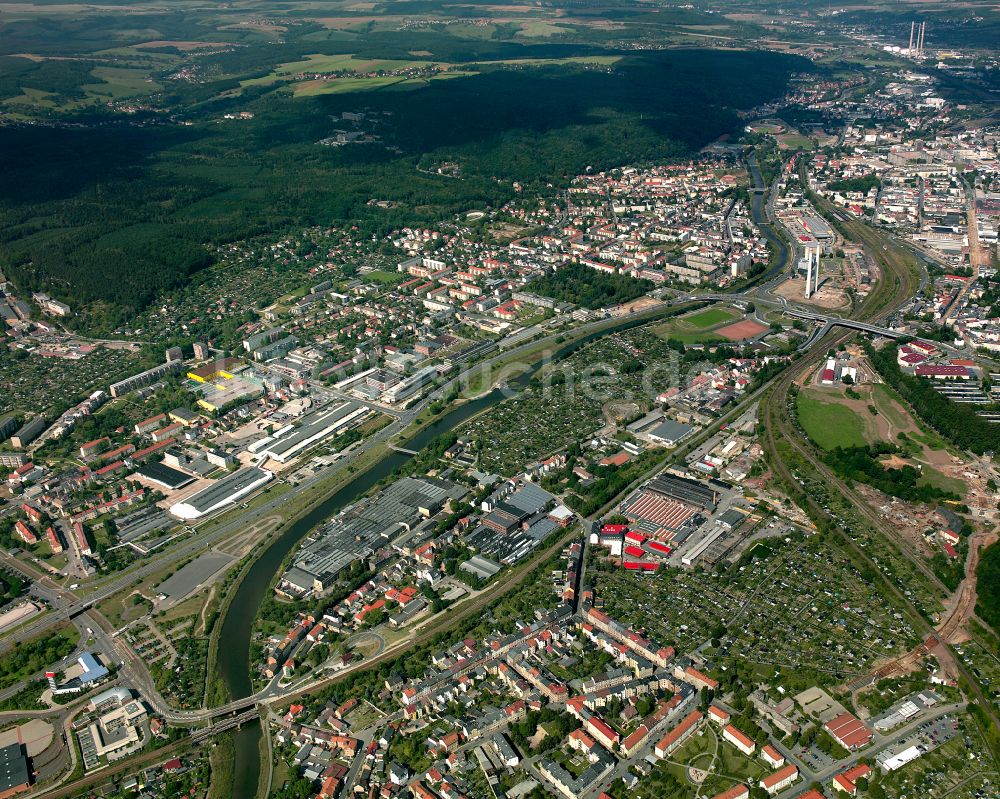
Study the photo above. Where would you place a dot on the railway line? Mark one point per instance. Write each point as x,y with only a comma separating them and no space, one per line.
898,284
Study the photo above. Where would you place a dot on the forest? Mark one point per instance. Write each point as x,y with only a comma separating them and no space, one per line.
108,213
863,184
988,587
591,288
862,464
33,656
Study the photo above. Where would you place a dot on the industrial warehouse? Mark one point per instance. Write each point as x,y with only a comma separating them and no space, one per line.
291,441
222,493
360,530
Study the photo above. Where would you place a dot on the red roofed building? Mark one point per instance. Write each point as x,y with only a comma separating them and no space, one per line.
580,741
736,792
943,372
782,778
634,551
111,468
739,740
421,791
659,547
812,793
601,731
378,604
150,424
91,448
24,533
950,536
142,454
772,757
848,731
718,715
53,538
633,741
673,739
81,539
615,460
845,782
642,566
697,679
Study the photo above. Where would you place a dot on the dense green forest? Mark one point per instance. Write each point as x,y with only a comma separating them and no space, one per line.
959,424
864,184
107,213
862,464
34,656
588,287
988,587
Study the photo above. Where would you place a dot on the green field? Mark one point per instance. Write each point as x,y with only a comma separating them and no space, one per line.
690,338
829,424
698,327
379,276
710,317
933,477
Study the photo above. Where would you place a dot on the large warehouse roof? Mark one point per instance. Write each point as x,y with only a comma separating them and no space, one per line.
222,493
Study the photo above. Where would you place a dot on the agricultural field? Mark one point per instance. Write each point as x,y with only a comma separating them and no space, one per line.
960,769
174,644
35,384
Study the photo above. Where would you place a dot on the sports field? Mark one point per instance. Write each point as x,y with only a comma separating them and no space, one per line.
710,317
701,327
744,329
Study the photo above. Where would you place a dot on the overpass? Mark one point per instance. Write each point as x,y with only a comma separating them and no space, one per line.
839,321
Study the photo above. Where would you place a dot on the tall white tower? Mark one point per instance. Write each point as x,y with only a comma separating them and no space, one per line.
812,270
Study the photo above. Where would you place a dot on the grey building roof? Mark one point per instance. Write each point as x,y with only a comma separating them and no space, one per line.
670,431
13,767
530,498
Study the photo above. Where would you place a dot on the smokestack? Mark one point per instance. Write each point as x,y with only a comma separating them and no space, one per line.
913,28
920,47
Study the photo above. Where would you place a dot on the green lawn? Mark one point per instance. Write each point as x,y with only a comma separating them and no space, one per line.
710,317
933,477
379,276
829,424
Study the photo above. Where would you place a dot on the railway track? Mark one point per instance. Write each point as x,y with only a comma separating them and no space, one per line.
896,286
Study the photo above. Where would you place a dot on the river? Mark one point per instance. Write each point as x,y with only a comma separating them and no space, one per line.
237,626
